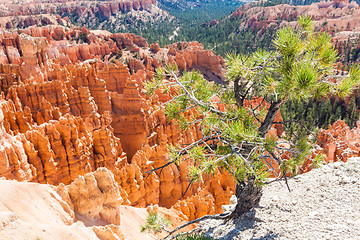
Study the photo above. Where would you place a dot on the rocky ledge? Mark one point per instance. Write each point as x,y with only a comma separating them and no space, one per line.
322,204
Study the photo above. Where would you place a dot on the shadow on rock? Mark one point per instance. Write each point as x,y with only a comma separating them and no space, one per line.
234,228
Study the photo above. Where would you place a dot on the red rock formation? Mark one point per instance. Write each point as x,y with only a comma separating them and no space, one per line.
68,111
197,206
154,47
193,56
105,9
96,196
339,17
13,157
339,142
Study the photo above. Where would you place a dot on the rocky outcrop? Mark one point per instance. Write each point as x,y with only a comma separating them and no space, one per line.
96,196
13,158
209,197
339,142
20,217
57,151
197,206
193,56
339,18
321,198
106,9
27,20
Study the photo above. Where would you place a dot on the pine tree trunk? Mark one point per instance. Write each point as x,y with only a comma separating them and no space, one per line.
270,117
248,195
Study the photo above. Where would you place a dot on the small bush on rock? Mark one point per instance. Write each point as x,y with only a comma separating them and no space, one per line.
194,237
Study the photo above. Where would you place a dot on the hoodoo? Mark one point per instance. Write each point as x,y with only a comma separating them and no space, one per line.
85,135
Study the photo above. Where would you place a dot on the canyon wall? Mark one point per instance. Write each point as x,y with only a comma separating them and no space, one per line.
25,13
104,8
69,108
339,18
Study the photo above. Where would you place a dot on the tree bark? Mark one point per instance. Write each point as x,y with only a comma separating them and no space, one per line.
248,195
270,117
238,97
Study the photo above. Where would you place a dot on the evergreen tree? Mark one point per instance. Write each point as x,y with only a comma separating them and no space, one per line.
234,131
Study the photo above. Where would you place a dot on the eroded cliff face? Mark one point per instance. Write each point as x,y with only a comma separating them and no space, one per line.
27,7
69,108
339,18
92,13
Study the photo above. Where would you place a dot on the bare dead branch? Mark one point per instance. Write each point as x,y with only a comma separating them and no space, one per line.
216,216
188,187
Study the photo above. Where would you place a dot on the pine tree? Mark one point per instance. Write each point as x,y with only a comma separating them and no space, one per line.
234,132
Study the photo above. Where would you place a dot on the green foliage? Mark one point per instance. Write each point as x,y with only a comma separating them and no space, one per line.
299,67
151,86
199,13
302,148
194,173
318,160
192,92
305,59
155,222
315,114
226,36
193,237
82,37
346,87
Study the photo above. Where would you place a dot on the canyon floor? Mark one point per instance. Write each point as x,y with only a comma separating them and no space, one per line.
323,204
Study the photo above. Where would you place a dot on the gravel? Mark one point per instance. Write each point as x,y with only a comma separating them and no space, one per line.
323,204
